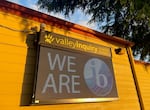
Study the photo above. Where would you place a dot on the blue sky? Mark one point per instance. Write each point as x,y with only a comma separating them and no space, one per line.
78,17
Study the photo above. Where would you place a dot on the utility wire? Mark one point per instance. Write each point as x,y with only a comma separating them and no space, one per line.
12,29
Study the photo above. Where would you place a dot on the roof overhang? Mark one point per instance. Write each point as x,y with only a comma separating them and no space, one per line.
19,10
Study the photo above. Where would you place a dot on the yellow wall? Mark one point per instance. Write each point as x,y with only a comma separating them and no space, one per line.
17,62
143,76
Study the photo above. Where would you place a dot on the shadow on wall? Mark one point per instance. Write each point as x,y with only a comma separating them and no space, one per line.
30,66
20,24
29,74
24,23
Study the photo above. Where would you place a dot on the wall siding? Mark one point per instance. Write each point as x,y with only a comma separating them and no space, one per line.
17,68
143,78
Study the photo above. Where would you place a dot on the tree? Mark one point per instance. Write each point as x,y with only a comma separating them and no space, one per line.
128,19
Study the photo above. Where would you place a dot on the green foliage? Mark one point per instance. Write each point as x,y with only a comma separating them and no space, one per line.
128,19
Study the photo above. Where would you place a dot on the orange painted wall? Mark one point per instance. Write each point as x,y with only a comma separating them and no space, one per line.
143,78
17,64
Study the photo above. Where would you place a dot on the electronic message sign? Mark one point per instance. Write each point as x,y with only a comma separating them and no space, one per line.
68,75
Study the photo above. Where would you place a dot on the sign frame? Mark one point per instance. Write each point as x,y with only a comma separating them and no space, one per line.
44,43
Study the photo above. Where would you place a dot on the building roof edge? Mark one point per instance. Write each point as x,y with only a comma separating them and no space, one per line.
19,10
141,62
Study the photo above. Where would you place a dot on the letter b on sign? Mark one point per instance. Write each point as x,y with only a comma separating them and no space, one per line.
98,77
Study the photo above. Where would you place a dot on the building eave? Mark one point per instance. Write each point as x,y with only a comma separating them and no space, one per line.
22,11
